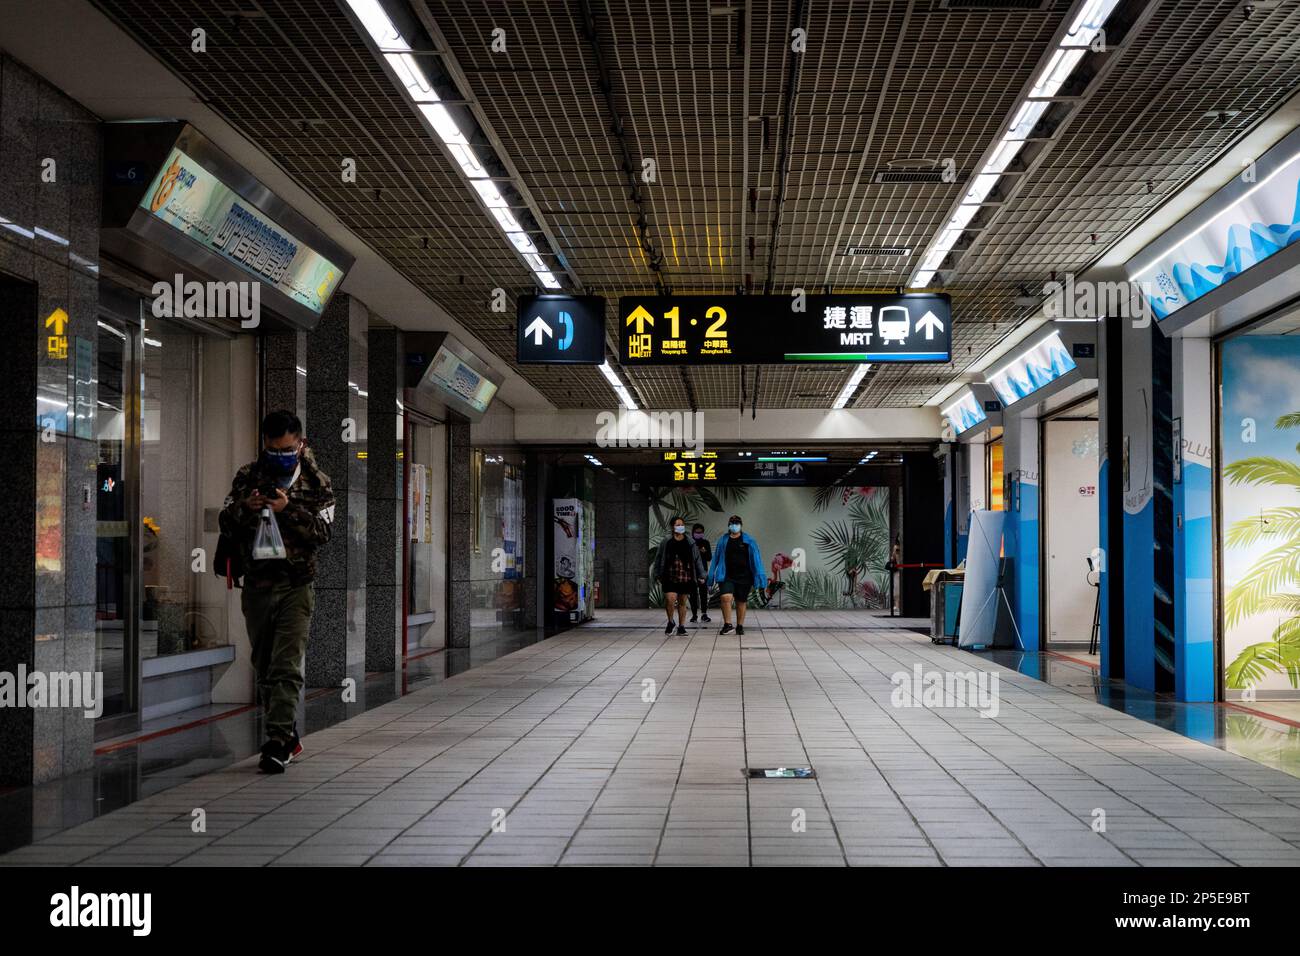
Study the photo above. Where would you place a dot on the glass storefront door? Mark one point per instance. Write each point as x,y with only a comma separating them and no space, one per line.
426,534
116,540
165,457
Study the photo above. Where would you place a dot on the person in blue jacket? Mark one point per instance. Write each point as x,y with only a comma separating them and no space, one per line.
736,569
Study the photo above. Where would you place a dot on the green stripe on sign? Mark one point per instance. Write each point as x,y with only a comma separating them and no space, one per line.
826,356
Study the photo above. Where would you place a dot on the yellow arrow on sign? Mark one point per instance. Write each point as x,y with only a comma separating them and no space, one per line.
640,316
57,318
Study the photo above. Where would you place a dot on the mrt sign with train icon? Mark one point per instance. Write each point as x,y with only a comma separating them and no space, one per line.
774,329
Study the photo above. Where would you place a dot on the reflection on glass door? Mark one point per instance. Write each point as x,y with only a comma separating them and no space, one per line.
114,575
426,536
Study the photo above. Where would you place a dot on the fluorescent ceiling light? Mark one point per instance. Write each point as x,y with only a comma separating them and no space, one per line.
854,380
619,388
377,24
962,217
980,188
947,239
1026,119
521,241
1003,155
506,220
1058,68
1089,22
1064,58
934,260
412,77
396,51
467,160
488,192
443,124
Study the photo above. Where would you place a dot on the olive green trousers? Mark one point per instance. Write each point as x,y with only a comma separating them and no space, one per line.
279,620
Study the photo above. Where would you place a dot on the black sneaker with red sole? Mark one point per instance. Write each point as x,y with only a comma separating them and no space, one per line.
276,755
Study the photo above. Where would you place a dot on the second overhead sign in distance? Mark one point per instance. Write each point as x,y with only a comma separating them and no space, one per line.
769,329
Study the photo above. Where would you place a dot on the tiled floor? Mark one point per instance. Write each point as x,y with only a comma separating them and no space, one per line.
613,744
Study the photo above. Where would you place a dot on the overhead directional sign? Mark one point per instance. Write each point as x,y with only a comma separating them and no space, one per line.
561,329
773,329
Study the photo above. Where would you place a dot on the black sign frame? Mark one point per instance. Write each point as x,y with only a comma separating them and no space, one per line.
912,327
542,344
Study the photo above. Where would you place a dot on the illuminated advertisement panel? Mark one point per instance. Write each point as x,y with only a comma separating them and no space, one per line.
195,202
1031,370
451,374
965,413
1260,223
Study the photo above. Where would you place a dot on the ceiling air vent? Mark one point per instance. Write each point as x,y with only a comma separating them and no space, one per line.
994,4
909,176
878,251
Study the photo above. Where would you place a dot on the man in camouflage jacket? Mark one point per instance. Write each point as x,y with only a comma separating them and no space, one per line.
278,597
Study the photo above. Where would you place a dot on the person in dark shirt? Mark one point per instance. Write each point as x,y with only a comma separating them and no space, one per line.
737,568
286,489
680,570
700,594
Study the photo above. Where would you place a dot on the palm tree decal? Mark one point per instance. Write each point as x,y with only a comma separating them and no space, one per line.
858,547
855,546
1270,584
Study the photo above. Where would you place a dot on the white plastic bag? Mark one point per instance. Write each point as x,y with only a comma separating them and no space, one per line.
268,545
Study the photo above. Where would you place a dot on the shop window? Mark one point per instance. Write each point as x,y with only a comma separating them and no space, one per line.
181,608
497,523
996,500
1260,514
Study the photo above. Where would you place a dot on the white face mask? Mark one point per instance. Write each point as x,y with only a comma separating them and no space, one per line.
679,529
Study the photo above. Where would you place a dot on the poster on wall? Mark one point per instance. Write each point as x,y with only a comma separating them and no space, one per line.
1261,516
821,547
587,564
567,599
50,491
421,518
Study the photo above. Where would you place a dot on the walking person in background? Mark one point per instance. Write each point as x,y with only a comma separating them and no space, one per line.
284,487
680,571
700,594
737,568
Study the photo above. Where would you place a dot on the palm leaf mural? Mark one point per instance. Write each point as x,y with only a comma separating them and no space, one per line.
1275,571
822,497
1288,421
810,590
1283,522
1270,584
668,501
1263,471
728,494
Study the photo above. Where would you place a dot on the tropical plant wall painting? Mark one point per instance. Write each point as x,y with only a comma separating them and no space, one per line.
1260,495
823,548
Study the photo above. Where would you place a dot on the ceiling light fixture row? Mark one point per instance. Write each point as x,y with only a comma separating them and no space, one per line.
1084,28
456,129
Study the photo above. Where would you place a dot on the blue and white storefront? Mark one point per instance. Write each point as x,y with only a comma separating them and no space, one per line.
1199,421
1048,378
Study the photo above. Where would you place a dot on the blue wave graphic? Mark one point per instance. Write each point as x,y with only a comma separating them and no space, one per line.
1036,370
1247,247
